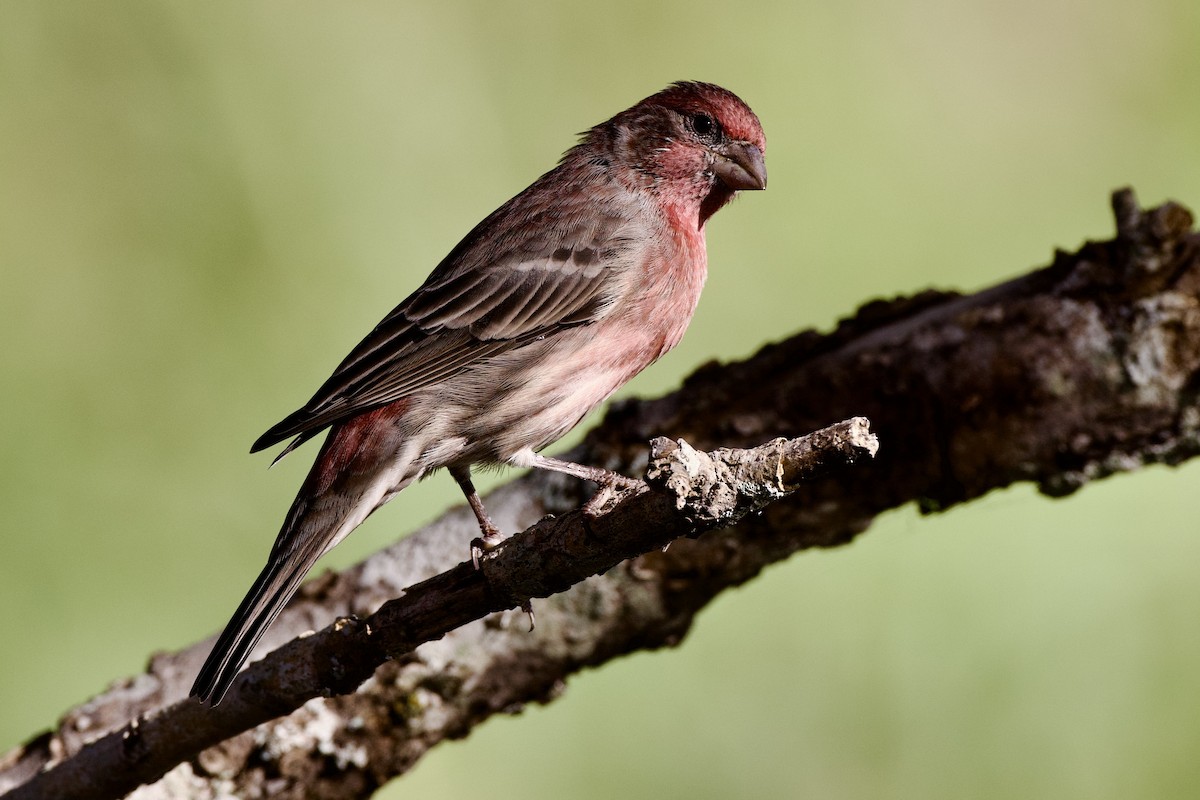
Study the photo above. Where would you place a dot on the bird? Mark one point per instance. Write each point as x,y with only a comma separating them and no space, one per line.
541,312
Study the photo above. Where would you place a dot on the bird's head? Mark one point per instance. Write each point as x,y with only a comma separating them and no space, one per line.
693,144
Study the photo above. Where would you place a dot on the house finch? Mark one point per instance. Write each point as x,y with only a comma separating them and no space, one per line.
545,309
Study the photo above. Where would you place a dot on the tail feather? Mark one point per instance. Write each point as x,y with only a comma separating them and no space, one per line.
357,470
308,533
311,528
262,604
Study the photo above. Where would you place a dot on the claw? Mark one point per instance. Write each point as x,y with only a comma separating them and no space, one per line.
490,540
527,607
610,486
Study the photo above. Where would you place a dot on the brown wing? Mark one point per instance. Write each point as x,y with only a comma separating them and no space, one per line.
502,287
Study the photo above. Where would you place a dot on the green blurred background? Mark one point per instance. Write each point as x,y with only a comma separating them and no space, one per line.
203,207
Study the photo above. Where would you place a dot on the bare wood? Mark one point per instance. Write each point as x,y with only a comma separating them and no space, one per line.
1085,368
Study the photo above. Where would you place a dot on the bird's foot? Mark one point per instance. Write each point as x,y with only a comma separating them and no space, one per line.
490,540
612,484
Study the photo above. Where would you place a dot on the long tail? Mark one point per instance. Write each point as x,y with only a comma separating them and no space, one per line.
276,584
351,477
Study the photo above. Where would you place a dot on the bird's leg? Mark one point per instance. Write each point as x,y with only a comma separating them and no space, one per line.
491,535
604,477
607,479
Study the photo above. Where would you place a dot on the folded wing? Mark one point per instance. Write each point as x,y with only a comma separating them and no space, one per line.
495,292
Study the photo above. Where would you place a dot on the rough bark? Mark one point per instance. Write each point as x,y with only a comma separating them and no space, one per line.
1082,369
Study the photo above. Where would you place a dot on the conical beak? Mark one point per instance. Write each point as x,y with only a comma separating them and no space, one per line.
741,166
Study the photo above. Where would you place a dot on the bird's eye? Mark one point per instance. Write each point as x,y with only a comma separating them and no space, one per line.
703,124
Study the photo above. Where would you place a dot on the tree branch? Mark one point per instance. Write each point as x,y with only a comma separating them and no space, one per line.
1085,368
686,494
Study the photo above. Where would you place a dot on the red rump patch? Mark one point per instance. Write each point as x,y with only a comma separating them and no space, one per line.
349,449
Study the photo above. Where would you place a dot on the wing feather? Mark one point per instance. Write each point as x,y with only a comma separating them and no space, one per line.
499,289
538,307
